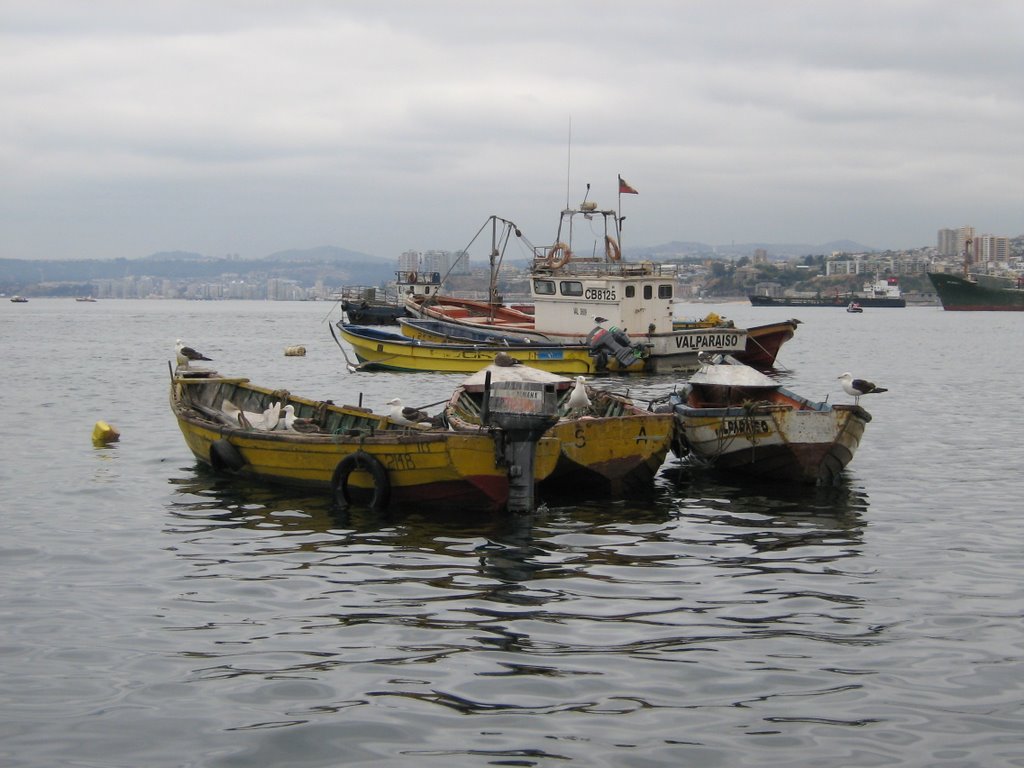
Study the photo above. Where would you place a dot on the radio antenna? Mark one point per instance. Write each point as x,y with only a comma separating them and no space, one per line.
568,164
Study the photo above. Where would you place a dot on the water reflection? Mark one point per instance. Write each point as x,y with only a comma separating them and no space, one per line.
699,566
684,506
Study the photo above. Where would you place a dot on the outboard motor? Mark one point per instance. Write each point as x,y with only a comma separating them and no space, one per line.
615,342
522,411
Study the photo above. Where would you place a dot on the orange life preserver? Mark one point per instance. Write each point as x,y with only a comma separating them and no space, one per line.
611,248
561,261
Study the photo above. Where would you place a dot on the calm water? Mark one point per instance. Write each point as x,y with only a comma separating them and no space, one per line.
154,614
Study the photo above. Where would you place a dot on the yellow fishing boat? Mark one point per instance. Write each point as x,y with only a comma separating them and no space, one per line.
272,435
608,444
376,349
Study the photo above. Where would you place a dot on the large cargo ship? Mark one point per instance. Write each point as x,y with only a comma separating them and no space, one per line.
880,293
978,292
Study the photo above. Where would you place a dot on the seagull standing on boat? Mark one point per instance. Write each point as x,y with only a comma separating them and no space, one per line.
858,387
186,354
265,421
409,417
287,420
578,401
505,360
270,417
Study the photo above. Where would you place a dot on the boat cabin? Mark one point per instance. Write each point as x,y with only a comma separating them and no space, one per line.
417,283
582,277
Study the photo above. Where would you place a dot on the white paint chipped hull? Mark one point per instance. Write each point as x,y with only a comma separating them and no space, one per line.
774,440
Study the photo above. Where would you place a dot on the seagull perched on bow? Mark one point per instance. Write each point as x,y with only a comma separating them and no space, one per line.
858,387
409,417
578,402
186,354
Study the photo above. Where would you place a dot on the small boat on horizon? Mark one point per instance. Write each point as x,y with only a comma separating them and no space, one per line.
854,307
19,299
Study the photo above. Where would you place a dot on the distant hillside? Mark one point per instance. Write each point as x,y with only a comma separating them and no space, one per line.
334,266
174,256
326,254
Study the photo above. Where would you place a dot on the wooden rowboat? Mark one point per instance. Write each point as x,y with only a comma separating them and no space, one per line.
613,447
349,451
734,418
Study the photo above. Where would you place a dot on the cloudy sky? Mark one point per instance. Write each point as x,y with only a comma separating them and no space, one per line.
251,126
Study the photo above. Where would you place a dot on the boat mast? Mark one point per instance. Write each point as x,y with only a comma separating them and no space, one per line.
967,257
492,289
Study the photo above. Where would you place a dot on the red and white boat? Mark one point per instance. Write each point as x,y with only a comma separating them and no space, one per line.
580,282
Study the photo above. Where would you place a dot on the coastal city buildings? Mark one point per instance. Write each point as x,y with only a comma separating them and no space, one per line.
699,273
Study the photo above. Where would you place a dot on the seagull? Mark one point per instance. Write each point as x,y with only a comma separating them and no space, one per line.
231,412
287,420
265,421
185,354
271,417
409,417
505,360
858,387
578,401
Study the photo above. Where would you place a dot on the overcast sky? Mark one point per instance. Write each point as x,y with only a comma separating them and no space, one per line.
252,126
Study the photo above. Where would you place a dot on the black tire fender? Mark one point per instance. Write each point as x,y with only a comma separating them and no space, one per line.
224,457
368,463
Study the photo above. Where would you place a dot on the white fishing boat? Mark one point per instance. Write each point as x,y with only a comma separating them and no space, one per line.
734,418
581,281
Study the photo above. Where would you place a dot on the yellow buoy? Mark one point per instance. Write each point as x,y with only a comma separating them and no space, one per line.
294,351
103,433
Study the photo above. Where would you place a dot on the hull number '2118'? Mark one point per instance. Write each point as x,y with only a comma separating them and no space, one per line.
600,294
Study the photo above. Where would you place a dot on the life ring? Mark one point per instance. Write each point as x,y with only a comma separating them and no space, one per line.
224,457
560,261
411,277
364,461
611,248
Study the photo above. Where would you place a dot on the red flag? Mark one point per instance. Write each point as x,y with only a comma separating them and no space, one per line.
625,189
